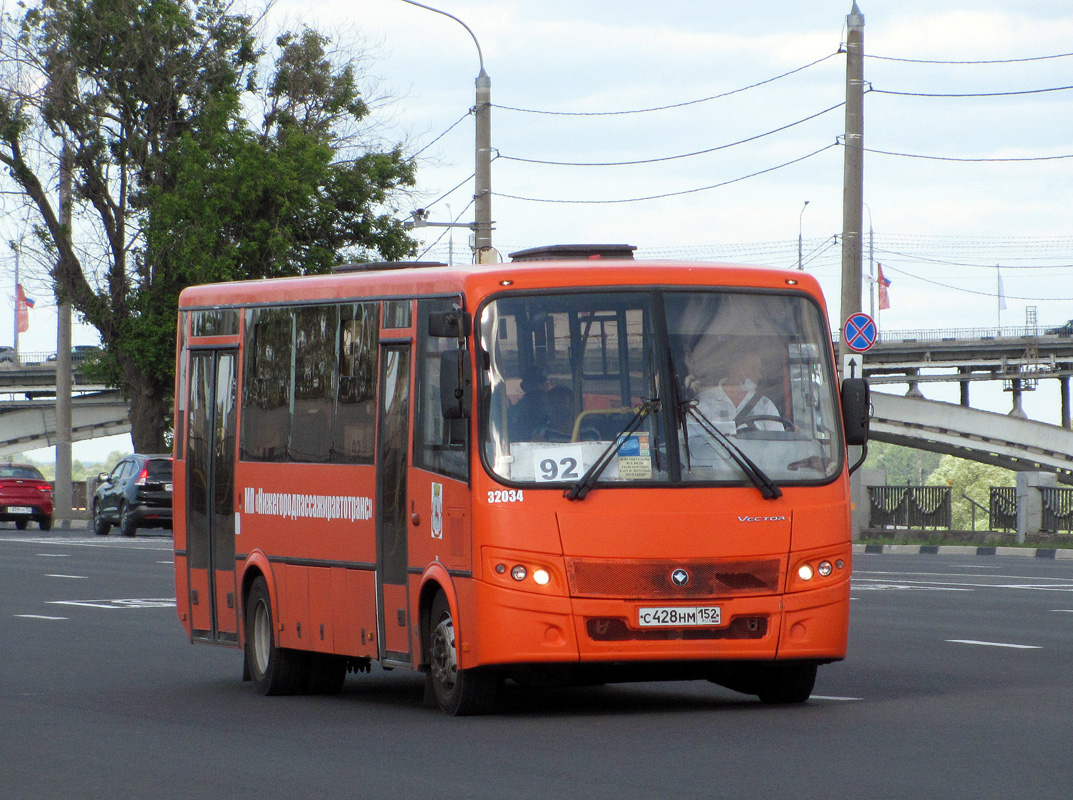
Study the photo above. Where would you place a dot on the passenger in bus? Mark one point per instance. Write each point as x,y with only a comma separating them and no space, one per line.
734,402
559,403
529,416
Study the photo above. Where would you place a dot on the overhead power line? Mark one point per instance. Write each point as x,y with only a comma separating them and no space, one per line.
987,61
970,94
671,106
973,160
669,194
671,158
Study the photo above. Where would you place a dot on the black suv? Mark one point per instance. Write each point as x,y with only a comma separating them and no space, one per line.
135,494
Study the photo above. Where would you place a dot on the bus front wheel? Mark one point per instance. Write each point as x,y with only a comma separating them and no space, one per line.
782,685
272,669
459,692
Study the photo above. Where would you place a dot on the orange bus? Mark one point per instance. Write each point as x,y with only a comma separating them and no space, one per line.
573,467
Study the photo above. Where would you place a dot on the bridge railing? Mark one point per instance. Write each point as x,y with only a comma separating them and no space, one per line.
1057,509
1002,507
947,334
910,506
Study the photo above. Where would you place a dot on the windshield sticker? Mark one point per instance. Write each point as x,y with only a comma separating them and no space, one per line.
635,458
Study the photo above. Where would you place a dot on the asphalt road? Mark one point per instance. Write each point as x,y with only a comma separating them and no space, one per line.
957,686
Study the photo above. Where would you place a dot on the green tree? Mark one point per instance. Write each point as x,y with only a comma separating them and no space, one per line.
177,180
972,479
904,465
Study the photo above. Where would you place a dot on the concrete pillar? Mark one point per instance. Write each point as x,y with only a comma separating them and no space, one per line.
1030,502
914,386
861,513
1064,382
964,386
1018,410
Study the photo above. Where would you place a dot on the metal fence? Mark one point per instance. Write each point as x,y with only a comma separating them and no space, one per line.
910,506
1003,508
1057,509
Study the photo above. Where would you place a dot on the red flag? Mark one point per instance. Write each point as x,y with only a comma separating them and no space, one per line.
883,283
22,308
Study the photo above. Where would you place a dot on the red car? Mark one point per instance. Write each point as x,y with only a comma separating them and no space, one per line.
25,495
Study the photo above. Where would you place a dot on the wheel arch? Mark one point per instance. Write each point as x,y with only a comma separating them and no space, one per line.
257,566
434,579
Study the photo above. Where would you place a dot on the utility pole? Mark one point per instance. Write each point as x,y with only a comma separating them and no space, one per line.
853,172
62,494
482,194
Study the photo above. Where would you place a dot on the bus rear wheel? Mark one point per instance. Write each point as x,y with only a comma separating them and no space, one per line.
272,669
458,692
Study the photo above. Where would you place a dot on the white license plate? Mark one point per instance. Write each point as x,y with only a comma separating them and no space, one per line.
19,510
167,487
678,617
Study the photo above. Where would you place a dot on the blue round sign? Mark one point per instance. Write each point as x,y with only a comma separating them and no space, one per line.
860,332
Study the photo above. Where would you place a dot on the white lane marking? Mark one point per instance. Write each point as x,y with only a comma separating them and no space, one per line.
73,577
835,699
54,555
886,586
1062,610
36,616
996,644
155,602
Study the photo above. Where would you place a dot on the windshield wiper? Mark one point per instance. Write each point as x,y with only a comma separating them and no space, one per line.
760,479
582,487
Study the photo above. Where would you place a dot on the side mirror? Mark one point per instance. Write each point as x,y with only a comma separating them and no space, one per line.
454,324
856,410
456,390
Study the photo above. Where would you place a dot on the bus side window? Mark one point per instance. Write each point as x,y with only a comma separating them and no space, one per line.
314,360
266,384
435,449
354,425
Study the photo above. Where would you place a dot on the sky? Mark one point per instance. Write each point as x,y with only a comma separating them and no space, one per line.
946,218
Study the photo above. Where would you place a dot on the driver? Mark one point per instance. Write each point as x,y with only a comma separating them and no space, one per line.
734,401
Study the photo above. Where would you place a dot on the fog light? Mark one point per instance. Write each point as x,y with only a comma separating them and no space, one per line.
518,572
825,569
804,572
541,577
501,568
840,563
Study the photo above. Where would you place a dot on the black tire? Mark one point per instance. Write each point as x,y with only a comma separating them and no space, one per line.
787,684
101,526
272,669
21,524
127,525
458,692
327,673
45,524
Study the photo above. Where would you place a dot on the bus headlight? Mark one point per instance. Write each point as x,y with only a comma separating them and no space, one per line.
518,572
541,577
804,572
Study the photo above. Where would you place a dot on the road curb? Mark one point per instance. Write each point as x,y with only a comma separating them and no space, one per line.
964,550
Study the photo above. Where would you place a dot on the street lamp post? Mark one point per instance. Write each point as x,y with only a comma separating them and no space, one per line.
800,217
482,182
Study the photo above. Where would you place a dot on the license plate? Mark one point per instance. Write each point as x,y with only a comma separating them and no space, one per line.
167,487
19,510
678,617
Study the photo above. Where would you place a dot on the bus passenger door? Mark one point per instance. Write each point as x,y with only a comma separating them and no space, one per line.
393,436
210,495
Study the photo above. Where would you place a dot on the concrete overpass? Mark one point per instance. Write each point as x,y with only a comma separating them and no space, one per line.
30,424
1006,441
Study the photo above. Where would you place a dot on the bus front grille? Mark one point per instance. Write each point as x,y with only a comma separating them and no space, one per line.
644,580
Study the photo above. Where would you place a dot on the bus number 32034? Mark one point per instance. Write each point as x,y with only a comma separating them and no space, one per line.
506,496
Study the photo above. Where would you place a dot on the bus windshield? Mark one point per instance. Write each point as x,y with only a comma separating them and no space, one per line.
696,386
